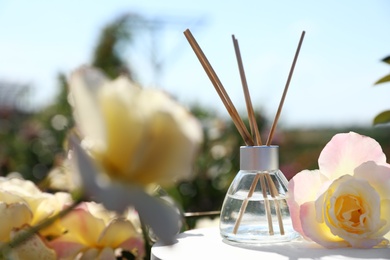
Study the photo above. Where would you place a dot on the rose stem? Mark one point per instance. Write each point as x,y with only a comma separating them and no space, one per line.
267,205
251,114
272,131
220,89
274,194
245,203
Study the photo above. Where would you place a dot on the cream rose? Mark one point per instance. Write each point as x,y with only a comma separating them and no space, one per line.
347,201
23,205
131,140
92,232
135,135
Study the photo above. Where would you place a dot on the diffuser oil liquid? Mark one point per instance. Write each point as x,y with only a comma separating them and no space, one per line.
255,209
256,224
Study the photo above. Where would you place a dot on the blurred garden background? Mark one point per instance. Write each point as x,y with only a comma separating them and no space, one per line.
33,139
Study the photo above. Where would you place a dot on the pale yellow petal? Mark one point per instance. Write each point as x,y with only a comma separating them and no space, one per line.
118,196
9,197
13,216
188,124
318,231
85,84
98,211
387,236
42,207
117,232
125,128
82,227
384,214
20,187
160,157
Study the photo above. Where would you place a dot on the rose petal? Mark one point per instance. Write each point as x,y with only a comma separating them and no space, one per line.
84,84
387,236
319,232
346,151
384,215
377,175
118,103
115,196
82,227
13,216
167,163
345,187
117,232
135,246
98,211
83,231
66,249
300,192
23,188
379,178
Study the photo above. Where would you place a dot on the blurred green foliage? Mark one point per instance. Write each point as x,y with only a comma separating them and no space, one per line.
383,117
114,38
32,142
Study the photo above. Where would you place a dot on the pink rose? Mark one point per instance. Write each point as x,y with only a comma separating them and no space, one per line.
347,201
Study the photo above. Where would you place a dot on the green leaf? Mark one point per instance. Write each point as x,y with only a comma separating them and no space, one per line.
382,118
383,80
386,60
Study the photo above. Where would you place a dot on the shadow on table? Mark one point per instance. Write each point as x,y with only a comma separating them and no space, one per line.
180,236
299,249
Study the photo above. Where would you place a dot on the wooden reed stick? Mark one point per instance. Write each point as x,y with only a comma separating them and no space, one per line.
274,193
267,205
251,114
245,203
272,131
273,190
220,89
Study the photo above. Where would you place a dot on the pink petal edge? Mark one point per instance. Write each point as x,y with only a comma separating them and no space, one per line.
318,231
345,151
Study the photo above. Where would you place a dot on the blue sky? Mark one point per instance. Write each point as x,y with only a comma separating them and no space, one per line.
333,79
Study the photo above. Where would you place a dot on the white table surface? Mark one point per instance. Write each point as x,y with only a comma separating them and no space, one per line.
206,243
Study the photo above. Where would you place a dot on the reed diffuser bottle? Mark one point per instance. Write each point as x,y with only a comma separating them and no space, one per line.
255,208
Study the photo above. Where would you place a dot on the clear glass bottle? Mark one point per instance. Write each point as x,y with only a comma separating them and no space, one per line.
255,208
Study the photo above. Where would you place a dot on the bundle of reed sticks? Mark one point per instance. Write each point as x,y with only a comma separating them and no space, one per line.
253,138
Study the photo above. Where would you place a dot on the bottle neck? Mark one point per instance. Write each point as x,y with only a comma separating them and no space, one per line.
259,158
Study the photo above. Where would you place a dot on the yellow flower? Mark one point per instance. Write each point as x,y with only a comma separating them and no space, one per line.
139,136
41,204
131,140
23,205
95,233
